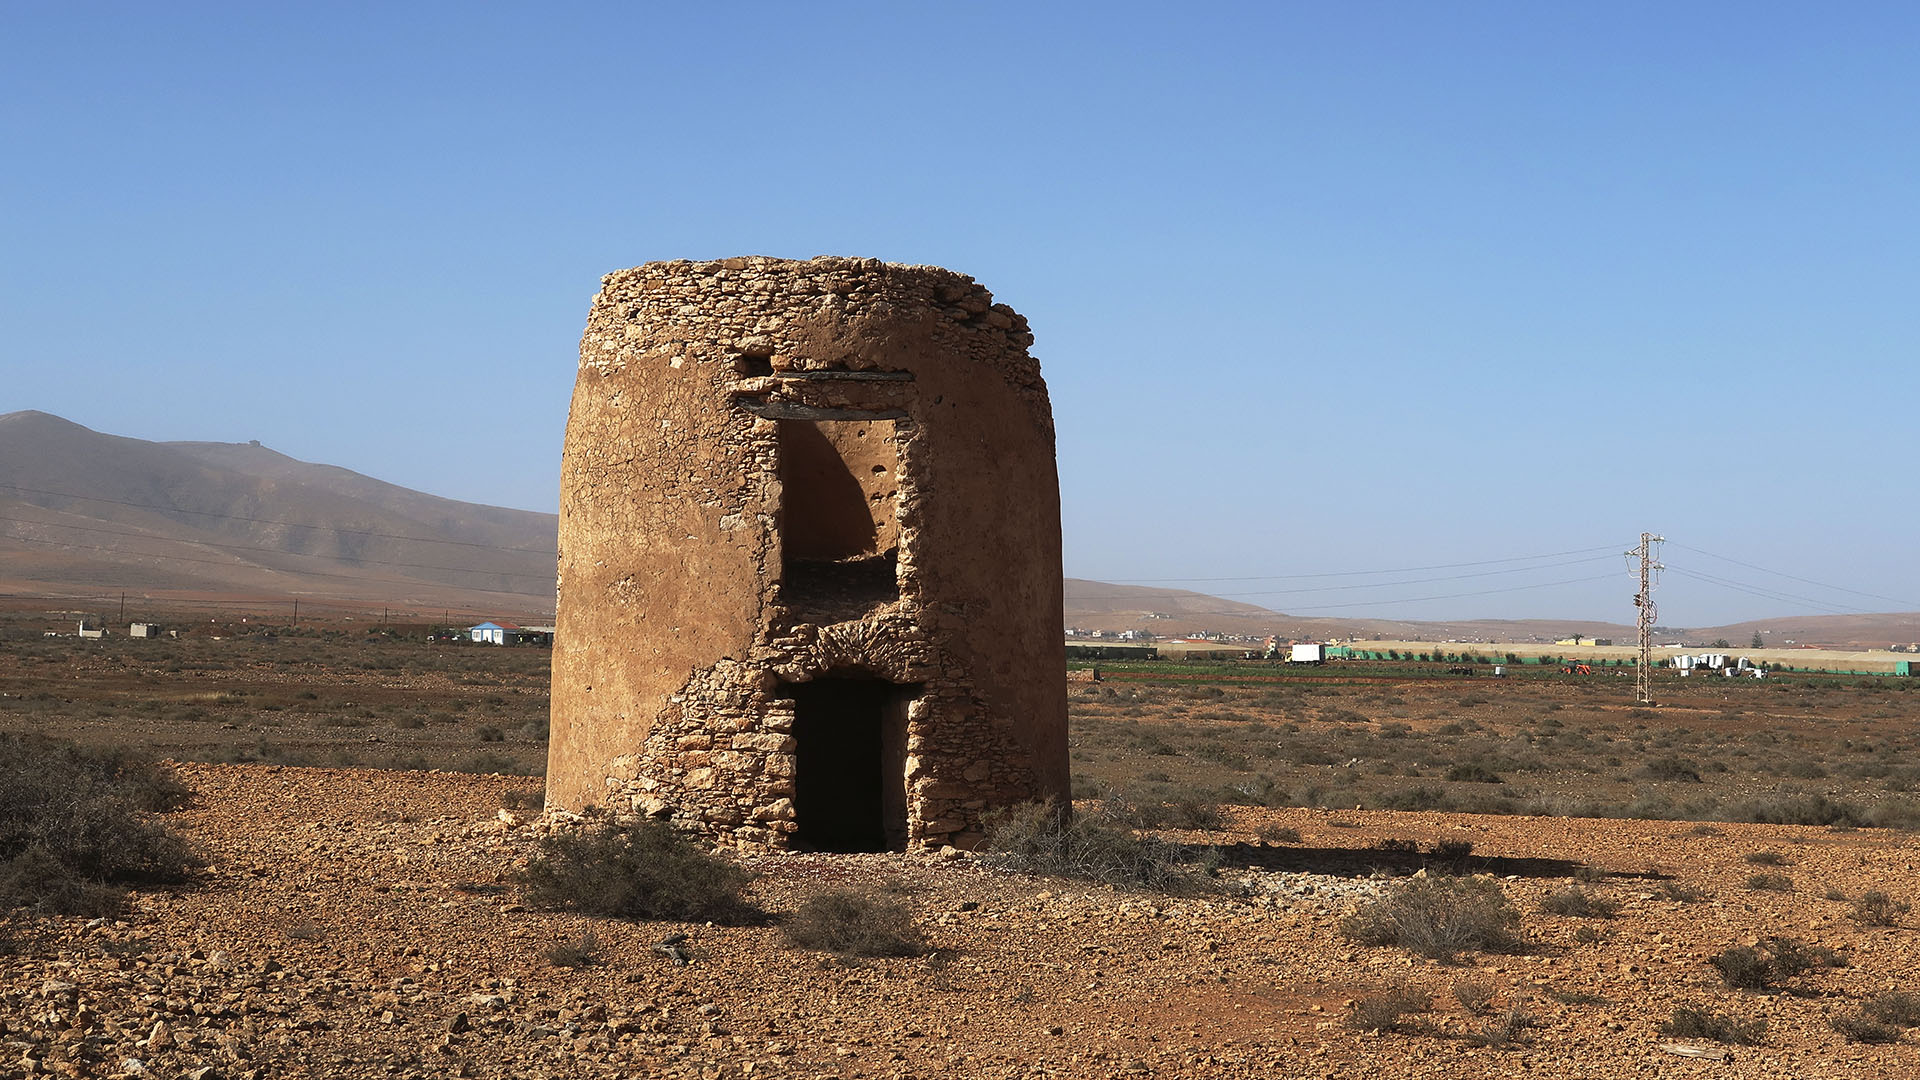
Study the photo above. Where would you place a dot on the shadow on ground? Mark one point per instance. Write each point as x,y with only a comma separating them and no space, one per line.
1364,862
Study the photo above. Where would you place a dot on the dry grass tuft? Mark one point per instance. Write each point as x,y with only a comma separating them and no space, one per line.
1437,917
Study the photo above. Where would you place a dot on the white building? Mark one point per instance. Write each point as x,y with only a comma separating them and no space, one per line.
494,633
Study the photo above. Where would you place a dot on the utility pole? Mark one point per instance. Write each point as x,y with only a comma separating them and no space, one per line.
1643,687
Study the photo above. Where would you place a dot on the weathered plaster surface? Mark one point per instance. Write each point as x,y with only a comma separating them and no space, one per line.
920,543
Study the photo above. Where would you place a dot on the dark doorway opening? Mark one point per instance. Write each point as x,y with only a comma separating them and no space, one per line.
850,769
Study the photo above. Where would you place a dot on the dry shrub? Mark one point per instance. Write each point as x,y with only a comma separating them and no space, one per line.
853,923
1898,1007
645,870
1474,992
1792,956
1861,1028
1507,1029
77,823
1795,810
1436,917
1683,894
1388,1009
1691,1023
584,952
1770,883
1100,844
1743,967
1670,768
1578,902
1876,908
1746,968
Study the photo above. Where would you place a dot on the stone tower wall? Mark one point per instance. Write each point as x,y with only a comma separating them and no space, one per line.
778,472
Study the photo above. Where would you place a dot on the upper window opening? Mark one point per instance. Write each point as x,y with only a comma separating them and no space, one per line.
839,516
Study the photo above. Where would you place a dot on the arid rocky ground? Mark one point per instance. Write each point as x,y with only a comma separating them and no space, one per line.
353,923
360,922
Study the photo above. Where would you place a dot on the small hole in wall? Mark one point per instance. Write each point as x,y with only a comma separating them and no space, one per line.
878,469
753,366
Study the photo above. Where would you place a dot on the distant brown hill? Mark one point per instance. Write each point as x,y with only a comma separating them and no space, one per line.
1097,605
83,511
87,514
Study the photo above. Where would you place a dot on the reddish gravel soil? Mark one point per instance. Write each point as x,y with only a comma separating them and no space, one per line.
360,923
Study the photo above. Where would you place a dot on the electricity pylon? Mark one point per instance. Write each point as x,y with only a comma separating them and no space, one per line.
1649,563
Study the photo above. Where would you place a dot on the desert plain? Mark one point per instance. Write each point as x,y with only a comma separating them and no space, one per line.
363,802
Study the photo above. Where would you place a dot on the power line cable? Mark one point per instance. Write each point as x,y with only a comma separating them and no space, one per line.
1803,581
1379,602
1457,596
1384,584
1767,594
1368,573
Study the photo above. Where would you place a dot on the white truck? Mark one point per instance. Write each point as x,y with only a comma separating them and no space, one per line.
1311,652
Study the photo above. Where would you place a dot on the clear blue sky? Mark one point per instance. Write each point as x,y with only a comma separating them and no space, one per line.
1329,287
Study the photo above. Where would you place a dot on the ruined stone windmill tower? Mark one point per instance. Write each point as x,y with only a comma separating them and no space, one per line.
810,582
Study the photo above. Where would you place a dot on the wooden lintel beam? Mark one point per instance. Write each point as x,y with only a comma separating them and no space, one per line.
787,410
848,376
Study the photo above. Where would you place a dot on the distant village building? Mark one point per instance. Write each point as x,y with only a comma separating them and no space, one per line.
91,631
493,633
506,633
144,630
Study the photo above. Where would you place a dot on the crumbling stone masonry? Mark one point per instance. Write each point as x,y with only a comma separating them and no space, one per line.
809,557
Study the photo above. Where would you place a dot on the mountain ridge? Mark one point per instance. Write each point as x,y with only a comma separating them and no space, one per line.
81,509
84,508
